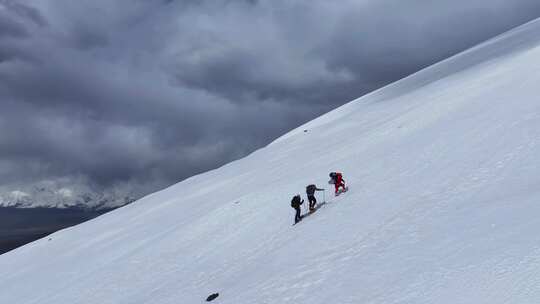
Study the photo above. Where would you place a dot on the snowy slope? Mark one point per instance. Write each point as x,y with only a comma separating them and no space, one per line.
443,207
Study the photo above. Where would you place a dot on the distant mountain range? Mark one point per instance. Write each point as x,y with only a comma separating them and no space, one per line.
44,197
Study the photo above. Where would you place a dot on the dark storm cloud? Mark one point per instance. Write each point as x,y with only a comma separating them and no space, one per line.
150,92
9,28
23,11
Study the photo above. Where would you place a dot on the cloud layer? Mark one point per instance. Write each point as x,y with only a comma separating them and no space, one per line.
144,93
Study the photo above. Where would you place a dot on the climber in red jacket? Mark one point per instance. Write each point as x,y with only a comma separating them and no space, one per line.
337,179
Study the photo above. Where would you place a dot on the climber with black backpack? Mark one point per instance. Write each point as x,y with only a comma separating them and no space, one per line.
310,191
296,202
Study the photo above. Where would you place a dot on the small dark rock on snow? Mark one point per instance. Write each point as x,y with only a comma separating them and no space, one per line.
212,297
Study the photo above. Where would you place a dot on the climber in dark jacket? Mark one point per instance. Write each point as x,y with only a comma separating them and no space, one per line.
310,191
296,202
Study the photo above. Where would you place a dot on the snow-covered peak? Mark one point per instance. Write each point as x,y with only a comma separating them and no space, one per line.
58,195
443,169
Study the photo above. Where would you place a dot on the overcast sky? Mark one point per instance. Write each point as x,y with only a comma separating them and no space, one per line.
140,94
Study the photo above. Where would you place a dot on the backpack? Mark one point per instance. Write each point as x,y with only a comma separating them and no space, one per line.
333,177
295,202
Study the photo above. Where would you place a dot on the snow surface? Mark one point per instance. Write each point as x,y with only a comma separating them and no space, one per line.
444,207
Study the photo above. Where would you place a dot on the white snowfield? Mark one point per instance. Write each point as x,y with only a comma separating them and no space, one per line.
443,169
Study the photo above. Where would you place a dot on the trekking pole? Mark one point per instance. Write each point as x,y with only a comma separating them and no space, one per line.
324,195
